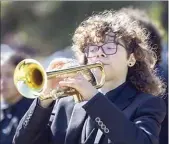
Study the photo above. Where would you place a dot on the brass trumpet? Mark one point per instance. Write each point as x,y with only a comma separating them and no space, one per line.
30,79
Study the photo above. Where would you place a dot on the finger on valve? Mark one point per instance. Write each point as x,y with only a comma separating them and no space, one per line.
63,63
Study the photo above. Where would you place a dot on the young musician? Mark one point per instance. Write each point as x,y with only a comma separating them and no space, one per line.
126,110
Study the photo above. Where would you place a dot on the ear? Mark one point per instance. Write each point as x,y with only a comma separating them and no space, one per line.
131,60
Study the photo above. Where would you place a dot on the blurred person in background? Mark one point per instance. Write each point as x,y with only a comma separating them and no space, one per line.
126,110
157,44
26,49
13,105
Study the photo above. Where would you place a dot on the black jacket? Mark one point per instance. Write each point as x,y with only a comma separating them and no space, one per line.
133,118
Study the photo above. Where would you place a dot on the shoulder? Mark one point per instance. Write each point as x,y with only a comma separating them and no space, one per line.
151,105
148,98
139,98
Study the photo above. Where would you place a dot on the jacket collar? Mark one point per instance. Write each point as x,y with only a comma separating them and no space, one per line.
126,96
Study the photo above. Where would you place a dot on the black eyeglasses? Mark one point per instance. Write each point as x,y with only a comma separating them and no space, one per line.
107,48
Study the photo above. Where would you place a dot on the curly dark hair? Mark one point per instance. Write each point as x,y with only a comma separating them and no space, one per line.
94,29
155,32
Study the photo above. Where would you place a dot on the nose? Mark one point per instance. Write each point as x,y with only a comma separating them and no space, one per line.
100,53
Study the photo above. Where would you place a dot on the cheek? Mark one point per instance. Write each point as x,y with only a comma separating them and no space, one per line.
118,62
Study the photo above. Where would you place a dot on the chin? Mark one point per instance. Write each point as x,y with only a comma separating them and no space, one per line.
109,74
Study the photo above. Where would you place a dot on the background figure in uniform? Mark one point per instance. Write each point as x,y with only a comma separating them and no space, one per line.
126,110
13,105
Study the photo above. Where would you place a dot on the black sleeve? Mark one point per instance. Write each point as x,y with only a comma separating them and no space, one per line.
144,129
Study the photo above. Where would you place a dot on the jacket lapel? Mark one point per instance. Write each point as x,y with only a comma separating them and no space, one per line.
75,124
125,97
90,131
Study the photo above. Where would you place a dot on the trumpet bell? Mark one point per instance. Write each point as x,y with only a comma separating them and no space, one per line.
30,78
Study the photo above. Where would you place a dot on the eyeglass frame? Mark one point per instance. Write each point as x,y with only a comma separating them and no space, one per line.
86,50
